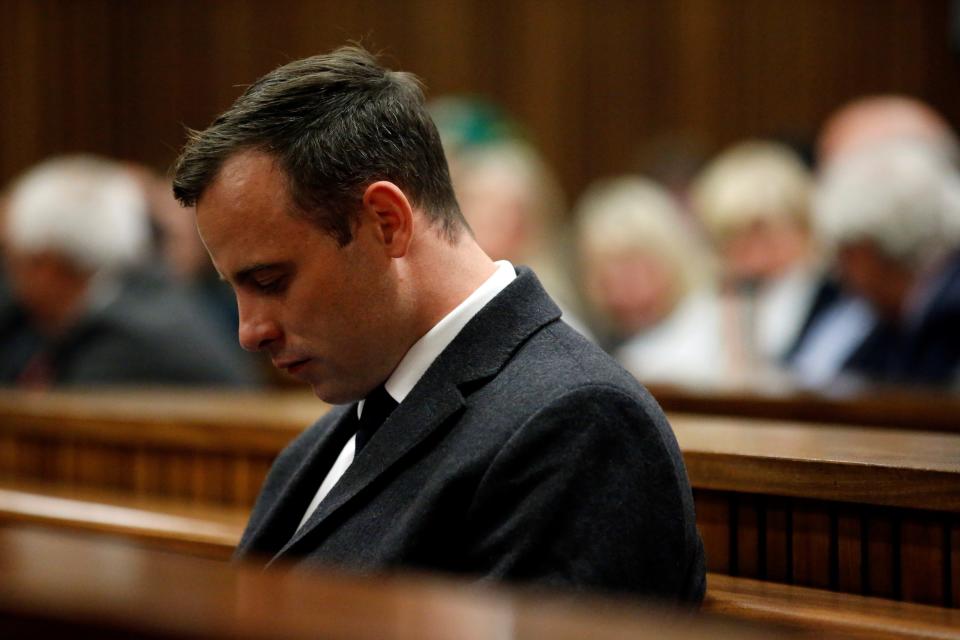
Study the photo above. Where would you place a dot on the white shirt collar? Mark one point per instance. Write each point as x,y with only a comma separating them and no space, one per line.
425,350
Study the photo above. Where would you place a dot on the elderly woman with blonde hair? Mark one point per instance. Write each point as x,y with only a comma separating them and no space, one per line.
754,200
648,280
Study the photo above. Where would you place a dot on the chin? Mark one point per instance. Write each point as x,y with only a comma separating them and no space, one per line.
333,395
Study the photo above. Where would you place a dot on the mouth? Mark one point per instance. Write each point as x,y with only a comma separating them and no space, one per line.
291,366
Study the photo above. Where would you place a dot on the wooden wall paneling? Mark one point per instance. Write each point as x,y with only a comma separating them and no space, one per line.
91,467
200,473
592,80
163,483
104,464
37,457
141,470
66,457
923,559
445,40
546,76
714,512
779,540
220,478
258,469
239,480
849,543
751,520
180,473
882,530
174,474
29,458
627,83
8,453
213,478
122,473
146,471
954,548
811,544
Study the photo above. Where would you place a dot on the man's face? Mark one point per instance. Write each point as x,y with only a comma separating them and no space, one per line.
866,271
47,286
325,314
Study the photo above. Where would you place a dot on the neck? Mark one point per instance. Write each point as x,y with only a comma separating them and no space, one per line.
442,275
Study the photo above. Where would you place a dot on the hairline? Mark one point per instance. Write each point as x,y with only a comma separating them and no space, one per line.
296,210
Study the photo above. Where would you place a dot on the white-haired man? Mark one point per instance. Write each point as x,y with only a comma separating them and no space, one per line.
892,212
75,231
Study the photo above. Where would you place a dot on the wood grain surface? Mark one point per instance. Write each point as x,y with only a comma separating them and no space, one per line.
871,511
906,409
55,583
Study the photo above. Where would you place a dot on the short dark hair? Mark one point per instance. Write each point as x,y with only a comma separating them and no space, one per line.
335,123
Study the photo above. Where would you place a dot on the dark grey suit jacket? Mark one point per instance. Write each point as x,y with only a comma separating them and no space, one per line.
524,454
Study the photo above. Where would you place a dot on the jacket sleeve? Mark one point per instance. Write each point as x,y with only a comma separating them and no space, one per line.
590,492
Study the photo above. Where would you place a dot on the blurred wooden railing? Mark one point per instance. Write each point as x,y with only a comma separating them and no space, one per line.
899,408
862,510
54,584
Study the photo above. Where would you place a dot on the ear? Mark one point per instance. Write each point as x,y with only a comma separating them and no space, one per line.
388,206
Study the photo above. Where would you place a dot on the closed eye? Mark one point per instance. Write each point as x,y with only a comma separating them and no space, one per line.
270,285
268,279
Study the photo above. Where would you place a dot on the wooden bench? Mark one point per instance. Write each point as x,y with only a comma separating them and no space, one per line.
861,510
203,530
214,533
898,408
858,510
827,612
54,584
212,447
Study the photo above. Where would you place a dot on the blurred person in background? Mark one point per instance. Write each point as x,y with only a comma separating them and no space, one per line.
509,195
882,119
180,252
840,319
18,341
753,201
891,212
76,239
648,277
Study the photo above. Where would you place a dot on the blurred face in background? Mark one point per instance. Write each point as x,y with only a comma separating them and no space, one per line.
633,290
763,250
48,287
868,272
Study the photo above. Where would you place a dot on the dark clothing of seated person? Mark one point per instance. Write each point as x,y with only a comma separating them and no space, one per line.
892,212
76,239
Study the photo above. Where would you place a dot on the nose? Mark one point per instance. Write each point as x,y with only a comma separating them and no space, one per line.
257,329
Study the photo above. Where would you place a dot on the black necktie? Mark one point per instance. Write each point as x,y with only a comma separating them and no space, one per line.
377,406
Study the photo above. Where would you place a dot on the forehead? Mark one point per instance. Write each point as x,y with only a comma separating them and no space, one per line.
245,215
251,178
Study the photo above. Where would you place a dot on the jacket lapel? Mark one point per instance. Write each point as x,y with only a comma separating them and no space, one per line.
479,351
286,508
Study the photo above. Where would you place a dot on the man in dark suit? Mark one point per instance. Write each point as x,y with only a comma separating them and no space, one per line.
479,434
891,211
